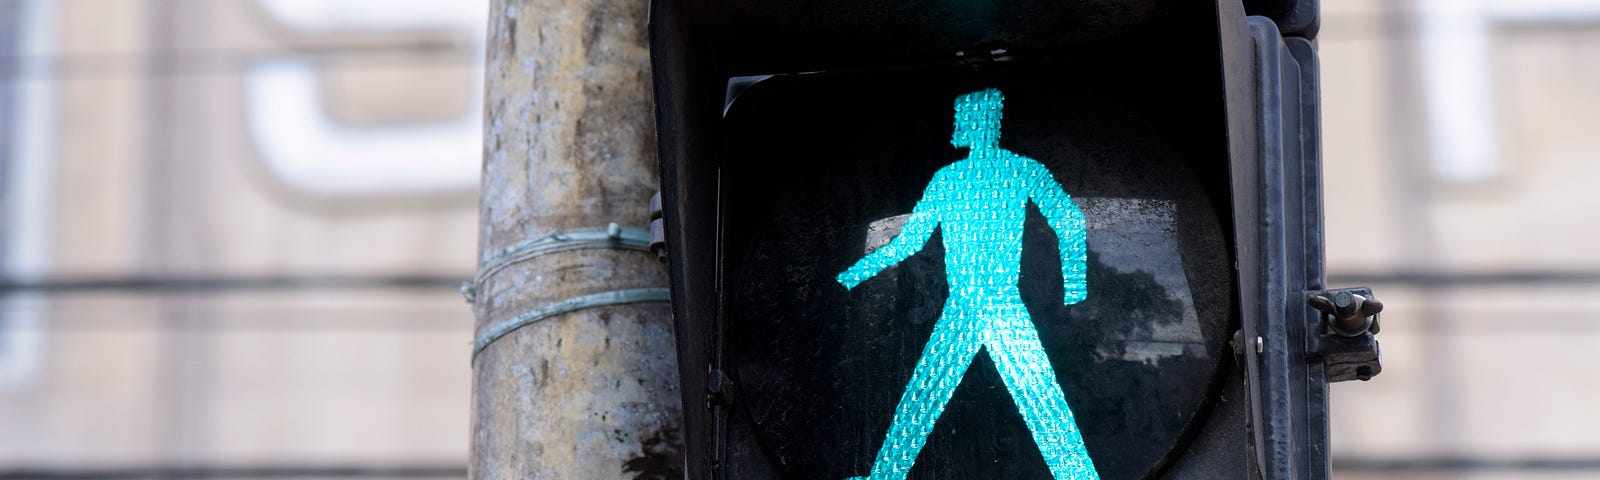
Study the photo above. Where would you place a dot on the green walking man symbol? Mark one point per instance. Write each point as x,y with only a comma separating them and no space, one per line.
981,202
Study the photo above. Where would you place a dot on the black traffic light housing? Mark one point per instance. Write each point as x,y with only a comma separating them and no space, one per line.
1194,96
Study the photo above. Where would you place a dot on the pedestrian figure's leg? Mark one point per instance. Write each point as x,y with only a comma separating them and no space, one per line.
1032,382
944,360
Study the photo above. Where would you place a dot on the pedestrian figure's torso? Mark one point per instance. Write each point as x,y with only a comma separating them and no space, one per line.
981,206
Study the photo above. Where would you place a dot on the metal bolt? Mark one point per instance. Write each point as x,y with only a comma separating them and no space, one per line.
1349,314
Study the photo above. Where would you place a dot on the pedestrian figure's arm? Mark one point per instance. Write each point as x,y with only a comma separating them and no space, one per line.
1071,231
912,237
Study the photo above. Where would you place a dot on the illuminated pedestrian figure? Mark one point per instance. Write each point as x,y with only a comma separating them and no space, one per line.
981,202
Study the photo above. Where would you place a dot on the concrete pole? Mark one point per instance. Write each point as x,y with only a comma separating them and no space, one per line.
569,145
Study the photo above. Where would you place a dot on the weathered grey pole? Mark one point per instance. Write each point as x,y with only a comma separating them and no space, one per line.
569,146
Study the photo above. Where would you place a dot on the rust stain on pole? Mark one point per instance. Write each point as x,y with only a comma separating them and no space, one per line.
568,145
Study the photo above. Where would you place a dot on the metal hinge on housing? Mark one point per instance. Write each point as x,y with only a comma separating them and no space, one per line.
1345,336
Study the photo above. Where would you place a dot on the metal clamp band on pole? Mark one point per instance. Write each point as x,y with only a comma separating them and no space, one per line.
613,237
602,299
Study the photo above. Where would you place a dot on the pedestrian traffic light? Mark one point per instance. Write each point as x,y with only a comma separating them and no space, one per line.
999,239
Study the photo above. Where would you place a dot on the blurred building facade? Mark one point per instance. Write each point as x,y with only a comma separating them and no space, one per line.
233,228
241,224
1457,169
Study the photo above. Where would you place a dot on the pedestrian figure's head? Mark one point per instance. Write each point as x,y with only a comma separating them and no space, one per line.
978,119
